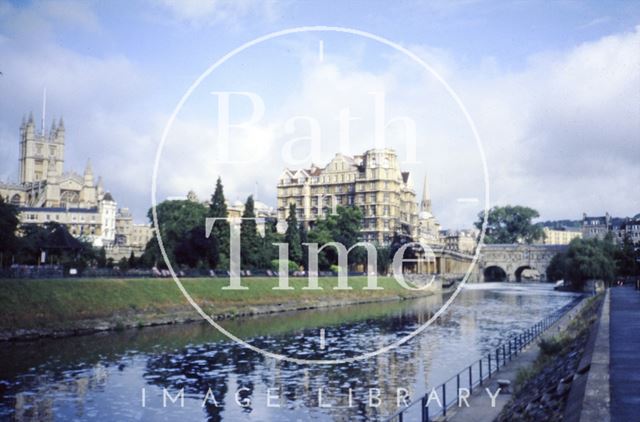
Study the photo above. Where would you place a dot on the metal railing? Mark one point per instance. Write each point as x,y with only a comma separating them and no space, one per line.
478,372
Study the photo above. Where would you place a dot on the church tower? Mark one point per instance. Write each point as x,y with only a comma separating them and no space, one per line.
53,185
27,150
425,205
40,151
88,195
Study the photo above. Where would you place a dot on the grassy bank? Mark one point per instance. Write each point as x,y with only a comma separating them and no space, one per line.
63,304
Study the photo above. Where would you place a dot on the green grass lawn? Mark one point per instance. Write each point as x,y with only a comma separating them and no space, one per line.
37,303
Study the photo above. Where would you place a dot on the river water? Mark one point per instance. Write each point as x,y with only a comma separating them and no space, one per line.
135,374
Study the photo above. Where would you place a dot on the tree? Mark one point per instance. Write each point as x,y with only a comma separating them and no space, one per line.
133,262
510,224
292,236
101,258
249,238
220,233
557,267
343,227
384,259
585,259
304,238
176,220
123,264
625,258
9,242
269,251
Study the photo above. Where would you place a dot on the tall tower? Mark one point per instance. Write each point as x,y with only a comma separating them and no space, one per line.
53,185
88,194
27,150
425,205
38,149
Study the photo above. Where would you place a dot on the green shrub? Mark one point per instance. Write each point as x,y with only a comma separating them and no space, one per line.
275,265
551,346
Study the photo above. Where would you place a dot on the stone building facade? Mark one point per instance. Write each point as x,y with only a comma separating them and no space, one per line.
559,237
372,182
596,227
45,192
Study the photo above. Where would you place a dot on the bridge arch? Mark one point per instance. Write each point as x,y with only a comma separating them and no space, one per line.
495,273
520,270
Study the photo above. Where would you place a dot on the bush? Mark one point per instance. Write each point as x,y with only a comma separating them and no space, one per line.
551,346
275,265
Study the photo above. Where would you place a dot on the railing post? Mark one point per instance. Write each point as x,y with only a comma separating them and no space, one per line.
504,355
497,358
509,350
444,399
400,418
425,410
480,372
489,361
471,378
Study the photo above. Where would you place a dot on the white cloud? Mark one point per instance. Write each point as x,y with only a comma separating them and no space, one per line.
207,12
102,99
561,135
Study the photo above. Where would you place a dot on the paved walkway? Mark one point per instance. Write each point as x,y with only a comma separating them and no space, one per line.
625,354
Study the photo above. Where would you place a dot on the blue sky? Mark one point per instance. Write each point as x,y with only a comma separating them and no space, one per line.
552,88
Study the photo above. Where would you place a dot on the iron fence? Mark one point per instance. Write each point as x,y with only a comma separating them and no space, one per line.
476,374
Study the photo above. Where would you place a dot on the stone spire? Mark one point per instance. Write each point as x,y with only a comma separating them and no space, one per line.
52,131
51,170
425,205
88,174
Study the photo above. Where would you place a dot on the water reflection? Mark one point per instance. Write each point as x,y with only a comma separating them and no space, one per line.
102,376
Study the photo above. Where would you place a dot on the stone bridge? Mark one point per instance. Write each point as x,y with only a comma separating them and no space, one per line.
507,262
502,262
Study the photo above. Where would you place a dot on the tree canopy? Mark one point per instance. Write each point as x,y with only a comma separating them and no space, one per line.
181,224
8,225
585,259
511,224
343,227
219,237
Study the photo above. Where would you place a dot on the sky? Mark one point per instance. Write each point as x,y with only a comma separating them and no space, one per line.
552,89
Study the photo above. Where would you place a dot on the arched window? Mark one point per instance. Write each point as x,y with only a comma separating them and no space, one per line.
15,200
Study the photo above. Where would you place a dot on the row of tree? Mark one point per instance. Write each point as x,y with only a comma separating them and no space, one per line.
182,227
595,259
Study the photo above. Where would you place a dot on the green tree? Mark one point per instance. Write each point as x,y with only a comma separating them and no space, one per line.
304,238
557,267
101,258
384,259
268,251
511,224
292,236
176,220
123,264
133,262
343,227
585,259
220,233
626,258
9,243
250,241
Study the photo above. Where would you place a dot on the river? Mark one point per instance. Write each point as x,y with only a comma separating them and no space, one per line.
131,375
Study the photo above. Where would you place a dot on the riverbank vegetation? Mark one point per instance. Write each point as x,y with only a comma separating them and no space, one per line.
60,304
595,259
541,390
